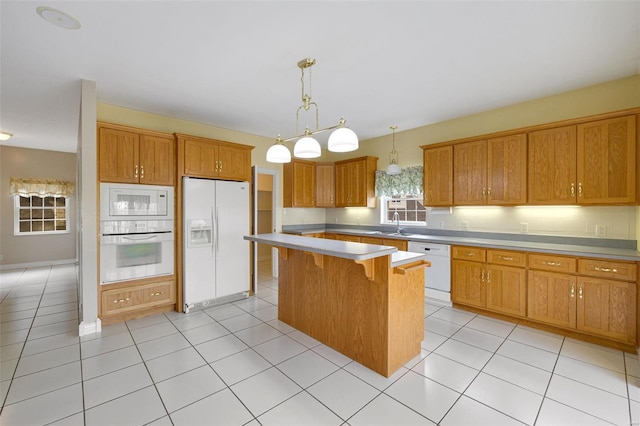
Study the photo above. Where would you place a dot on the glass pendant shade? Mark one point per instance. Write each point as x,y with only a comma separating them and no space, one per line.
343,140
393,169
278,153
307,147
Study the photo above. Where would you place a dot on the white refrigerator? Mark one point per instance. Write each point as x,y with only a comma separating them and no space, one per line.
216,256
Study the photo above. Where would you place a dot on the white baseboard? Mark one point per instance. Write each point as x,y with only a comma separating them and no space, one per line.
86,328
38,264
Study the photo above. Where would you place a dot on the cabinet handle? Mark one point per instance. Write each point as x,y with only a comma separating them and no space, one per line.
136,172
488,192
121,300
544,262
220,166
573,290
597,268
159,293
573,189
580,292
484,192
580,189
505,257
468,253
141,172
488,276
482,276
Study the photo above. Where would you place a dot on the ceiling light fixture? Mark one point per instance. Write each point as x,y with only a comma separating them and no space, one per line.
393,168
342,139
4,136
58,18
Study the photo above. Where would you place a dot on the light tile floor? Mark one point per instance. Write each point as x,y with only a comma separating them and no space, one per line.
236,364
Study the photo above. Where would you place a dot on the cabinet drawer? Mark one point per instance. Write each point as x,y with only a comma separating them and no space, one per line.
136,297
552,263
399,244
469,253
608,269
508,258
371,240
344,237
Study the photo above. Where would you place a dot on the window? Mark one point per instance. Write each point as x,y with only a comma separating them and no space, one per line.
409,208
40,215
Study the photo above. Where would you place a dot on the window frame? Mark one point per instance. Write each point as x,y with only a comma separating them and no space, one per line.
16,215
384,210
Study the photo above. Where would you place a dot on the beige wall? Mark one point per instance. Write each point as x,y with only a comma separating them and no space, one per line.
35,163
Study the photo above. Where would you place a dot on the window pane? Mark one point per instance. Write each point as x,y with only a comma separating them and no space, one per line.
61,214
37,214
411,216
25,214
25,201
61,225
25,226
422,216
49,202
36,201
60,202
48,214
36,226
49,225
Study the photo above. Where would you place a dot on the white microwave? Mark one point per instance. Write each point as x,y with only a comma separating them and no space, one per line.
120,201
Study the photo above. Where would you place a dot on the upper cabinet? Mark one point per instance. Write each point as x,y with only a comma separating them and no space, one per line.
490,171
299,183
209,158
325,185
590,163
129,155
584,161
606,167
552,166
355,182
438,176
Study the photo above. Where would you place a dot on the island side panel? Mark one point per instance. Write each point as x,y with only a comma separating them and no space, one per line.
406,316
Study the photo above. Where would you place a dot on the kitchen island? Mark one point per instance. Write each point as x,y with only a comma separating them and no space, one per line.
364,300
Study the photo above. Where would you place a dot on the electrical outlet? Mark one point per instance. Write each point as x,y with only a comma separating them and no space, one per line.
601,230
524,227
465,225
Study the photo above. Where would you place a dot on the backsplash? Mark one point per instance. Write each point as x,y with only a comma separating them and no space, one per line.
617,222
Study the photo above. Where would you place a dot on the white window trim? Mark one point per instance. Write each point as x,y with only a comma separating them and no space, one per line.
383,215
16,219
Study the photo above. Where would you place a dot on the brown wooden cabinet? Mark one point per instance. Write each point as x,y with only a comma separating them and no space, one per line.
209,158
606,161
490,171
594,296
325,185
299,183
127,300
489,279
399,244
355,180
552,166
129,155
438,176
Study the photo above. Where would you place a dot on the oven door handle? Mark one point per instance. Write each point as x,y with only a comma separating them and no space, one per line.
150,237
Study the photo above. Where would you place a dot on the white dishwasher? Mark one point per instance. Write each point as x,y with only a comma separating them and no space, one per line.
437,278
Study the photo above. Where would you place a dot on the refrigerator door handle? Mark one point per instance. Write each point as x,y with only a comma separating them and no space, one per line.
217,233
214,229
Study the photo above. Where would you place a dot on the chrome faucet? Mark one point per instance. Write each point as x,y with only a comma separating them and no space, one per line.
396,218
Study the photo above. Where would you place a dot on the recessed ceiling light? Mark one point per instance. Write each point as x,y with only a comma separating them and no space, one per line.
5,136
57,18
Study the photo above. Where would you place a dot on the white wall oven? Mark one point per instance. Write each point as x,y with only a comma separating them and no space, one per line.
137,232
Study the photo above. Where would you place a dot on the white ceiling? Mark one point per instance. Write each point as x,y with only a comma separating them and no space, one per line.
232,64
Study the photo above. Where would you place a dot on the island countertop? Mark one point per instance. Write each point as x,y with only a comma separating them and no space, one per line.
344,249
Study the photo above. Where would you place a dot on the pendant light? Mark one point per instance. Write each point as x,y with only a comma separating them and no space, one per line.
342,139
393,168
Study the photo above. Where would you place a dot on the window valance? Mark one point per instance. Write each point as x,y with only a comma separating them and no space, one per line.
409,182
26,187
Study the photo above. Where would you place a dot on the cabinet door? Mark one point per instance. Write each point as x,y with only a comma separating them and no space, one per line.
325,185
552,298
470,173
607,308
438,176
506,290
200,159
304,184
552,166
607,161
466,283
342,185
357,178
118,155
157,159
234,163
507,170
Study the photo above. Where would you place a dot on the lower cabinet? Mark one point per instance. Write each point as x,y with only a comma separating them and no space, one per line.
489,279
122,301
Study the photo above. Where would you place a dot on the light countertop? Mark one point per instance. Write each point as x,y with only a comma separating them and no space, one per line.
344,249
